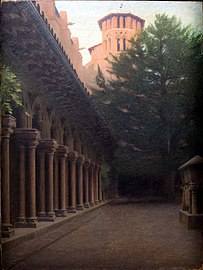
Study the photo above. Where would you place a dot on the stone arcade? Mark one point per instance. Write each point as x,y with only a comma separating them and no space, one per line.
54,145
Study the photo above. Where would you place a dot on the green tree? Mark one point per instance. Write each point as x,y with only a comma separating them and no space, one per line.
10,91
145,103
195,96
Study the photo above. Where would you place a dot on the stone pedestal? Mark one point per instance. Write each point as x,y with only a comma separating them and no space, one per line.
8,125
27,140
86,184
72,157
62,154
191,213
80,161
46,151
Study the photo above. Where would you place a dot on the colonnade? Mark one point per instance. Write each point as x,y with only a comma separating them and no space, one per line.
52,180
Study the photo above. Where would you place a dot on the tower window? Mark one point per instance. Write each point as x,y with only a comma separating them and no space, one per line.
118,21
123,22
105,45
118,45
131,23
124,44
109,44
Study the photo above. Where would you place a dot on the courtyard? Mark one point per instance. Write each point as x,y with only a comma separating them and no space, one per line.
139,234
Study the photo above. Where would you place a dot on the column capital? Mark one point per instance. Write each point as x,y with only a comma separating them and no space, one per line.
62,151
8,125
87,163
97,167
27,136
48,146
193,187
92,165
73,155
80,159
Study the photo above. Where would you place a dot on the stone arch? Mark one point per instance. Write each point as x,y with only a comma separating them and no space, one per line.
84,148
56,129
67,135
23,114
40,119
77,140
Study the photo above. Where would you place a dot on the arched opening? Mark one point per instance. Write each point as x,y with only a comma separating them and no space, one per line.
105,45
56,129
118,21
109,44
123,22
118,45
40,118
124,44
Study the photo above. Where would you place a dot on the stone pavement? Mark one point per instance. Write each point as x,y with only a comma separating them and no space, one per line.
138,235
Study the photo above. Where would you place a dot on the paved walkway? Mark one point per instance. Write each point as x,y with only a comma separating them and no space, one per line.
138,235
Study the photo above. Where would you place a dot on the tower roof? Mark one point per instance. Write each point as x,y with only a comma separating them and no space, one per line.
119,14
92,48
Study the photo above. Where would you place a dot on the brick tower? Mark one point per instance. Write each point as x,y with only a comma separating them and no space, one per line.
117,29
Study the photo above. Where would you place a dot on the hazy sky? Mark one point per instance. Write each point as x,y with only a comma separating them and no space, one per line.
85,14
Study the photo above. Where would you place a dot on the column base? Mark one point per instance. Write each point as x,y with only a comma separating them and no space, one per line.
61,212
21,222
50,216
96,202
86,205
7,230
79,207
91,203
32,222
71,209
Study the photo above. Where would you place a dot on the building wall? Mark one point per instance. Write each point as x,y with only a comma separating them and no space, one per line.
59,22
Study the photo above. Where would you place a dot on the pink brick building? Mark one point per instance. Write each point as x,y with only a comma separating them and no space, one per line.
117,29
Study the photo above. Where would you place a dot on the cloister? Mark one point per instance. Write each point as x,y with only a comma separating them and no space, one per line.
54,145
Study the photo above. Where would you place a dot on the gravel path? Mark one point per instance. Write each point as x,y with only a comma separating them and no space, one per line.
139,235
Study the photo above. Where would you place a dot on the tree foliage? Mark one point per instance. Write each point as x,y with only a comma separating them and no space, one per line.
10,91
145,104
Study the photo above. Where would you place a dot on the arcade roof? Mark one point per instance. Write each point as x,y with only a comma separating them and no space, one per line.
34,53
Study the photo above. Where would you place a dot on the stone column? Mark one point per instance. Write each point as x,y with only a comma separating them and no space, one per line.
50,187
86,180
47,147
62,154
56,184
21,220
96,189
72,206
92,165
100,184
80,161
8,125
42,212
66,182
32,217
27,140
